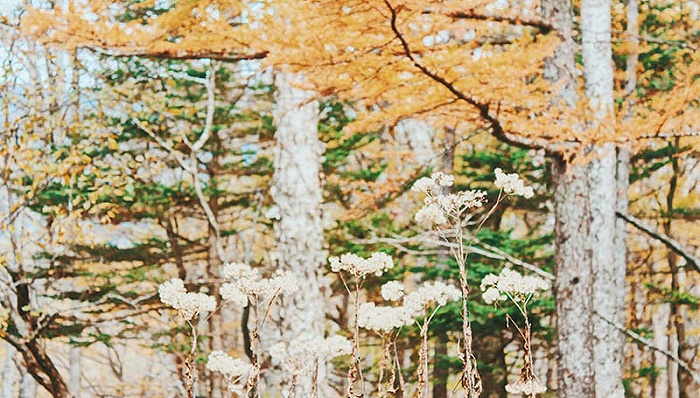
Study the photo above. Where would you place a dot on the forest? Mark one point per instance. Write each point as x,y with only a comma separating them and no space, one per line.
350,198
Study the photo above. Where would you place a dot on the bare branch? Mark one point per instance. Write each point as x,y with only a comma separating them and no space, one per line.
656,40
210,84
543,25
507,257
648,343
429,238
671,243
177,54
163,144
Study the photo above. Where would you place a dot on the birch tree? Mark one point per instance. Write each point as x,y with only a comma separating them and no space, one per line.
608,277
297,195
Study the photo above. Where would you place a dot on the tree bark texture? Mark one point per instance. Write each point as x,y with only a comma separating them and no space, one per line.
214,266
27,387
296,191
609,276
590,275
573,287
75,371
10,374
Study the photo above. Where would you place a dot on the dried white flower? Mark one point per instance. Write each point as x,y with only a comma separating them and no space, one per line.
392,290
333,346
527,387
221,362
189,305
231,293
273,213
278,351
381,318
300,357
234,271
376,264
512,284
491,295
439,207
431,214
424,184
249,282
429,294
512,184
442,179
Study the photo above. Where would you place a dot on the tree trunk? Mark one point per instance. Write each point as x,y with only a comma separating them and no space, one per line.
590,350
681,383
214,266
441,374
574,282
675,325
75,371
573,287
10,374
609,277
27,387
42,369
296,191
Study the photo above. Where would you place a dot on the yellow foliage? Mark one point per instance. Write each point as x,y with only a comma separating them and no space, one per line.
451,62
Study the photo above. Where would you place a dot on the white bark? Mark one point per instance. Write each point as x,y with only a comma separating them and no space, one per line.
296,191
689,350
418,136
609,276
590,275
75,371
27,387
574,275
574,283
659,321
10,374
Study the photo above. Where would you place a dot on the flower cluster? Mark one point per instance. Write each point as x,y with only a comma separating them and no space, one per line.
220,362
246,282
189,305
376,264
438,207
234,370
301,357
512,184
382,318
385,318
511,284
392,290
429,294
430,185
527,387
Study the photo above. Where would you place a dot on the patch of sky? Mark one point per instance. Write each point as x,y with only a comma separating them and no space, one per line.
250,153
121,242
9,7
163,4
205,157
